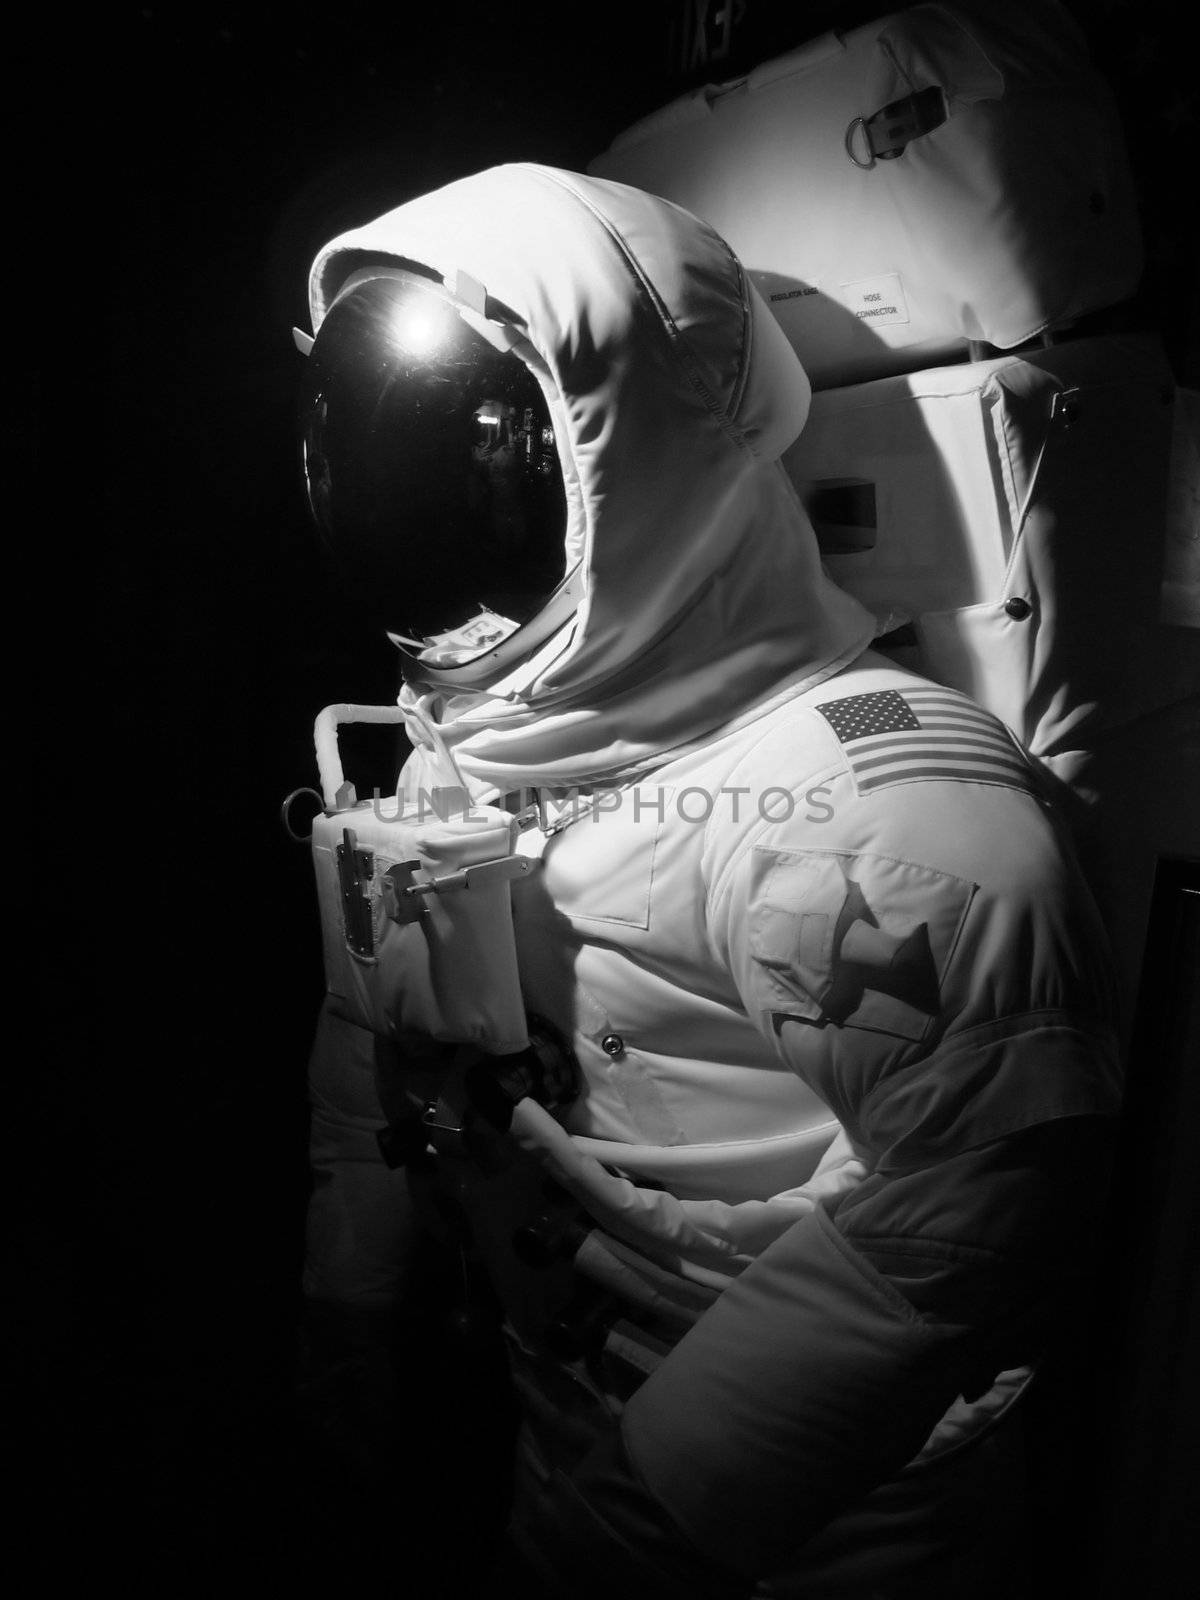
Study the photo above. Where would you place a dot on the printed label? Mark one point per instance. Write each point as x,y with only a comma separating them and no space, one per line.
875,299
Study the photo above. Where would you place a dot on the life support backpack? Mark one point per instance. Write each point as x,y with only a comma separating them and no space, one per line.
932,204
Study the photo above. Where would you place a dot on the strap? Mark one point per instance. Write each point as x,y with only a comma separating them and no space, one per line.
889,132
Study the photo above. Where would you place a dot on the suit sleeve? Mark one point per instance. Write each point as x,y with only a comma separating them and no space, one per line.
961,1036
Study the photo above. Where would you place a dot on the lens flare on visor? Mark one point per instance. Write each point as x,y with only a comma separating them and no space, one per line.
431,467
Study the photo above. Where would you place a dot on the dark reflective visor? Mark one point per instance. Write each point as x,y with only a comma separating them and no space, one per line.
431,468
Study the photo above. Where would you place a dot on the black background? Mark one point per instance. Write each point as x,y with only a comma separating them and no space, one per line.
177,181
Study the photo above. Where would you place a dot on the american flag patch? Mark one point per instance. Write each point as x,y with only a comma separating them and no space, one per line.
921,734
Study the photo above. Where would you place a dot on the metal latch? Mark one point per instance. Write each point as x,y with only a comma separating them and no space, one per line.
889,132
402,892
396,888
356,867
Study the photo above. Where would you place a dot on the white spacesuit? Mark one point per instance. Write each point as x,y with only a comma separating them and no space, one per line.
838,997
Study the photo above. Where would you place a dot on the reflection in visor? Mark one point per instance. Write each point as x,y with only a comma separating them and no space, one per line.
431,469
496,428
420,328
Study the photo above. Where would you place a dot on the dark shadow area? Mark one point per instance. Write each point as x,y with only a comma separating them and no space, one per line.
175,1387
1112,1418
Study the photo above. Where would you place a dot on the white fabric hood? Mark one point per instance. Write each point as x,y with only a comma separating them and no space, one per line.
674,394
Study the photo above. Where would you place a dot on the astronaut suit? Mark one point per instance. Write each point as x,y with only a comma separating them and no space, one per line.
836,994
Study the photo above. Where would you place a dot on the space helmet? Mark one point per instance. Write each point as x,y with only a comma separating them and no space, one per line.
433,474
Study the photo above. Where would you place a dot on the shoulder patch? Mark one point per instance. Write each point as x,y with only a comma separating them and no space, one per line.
924,734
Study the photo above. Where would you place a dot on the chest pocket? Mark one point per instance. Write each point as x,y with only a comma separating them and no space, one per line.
601,868
853,939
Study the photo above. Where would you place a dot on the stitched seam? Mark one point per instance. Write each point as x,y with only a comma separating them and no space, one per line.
1060,1108
871,1276
675,339
916,1246
747,342
1017,1025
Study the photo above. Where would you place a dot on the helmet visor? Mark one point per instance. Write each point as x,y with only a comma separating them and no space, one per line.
431,468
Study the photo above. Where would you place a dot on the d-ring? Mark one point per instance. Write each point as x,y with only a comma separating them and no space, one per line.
285,814
859,122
